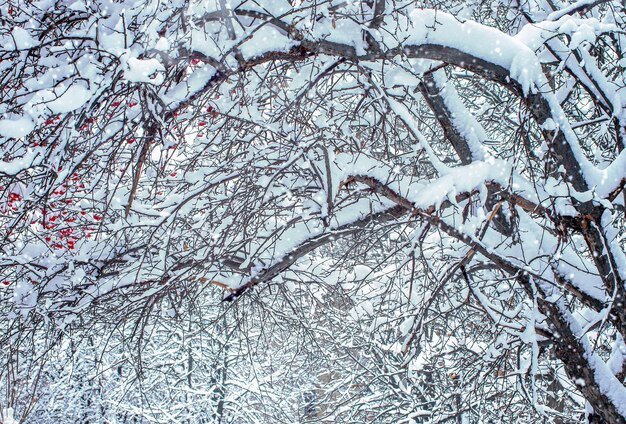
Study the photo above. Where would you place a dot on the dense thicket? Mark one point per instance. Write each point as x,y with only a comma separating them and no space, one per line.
312,211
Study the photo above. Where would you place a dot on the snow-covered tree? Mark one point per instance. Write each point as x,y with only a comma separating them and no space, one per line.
430,193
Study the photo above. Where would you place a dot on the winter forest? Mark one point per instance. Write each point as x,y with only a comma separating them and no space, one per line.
312,211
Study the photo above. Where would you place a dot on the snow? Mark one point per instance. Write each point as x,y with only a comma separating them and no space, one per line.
16,128
362,272
197,80
549,125
607,382
22,40
163,44
144,70
584,33
266,39
71,99
465,122
534,35
17,165
7,416
617,360
462,179
609,178
453,181
343,32
78,6
396,75
511,53
440,28
267,182
570,8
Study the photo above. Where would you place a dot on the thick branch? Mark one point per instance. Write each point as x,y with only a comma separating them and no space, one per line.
308,246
